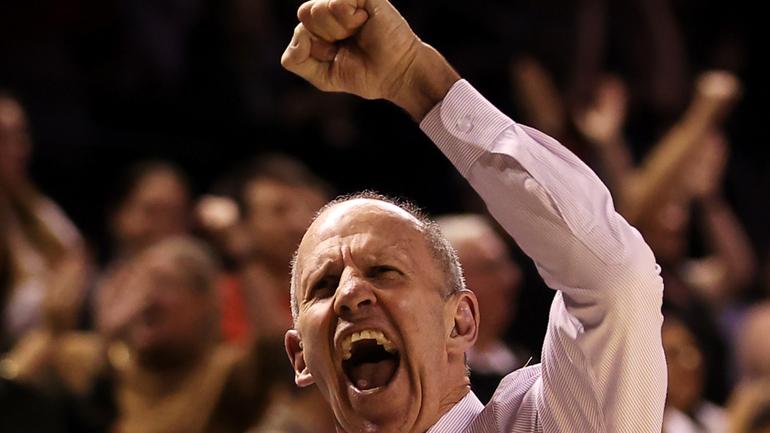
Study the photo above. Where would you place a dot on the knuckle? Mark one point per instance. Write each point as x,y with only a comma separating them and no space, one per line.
337,6
317,9
303,13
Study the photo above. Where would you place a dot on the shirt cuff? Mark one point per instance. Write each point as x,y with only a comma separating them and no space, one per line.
464,125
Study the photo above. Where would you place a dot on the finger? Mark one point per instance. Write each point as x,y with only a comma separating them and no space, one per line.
299,58
319,20
320,50
349,13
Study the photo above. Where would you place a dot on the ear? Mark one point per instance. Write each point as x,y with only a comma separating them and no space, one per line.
293,343
464,322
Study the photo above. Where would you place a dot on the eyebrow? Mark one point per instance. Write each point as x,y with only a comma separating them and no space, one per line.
393,254
389,252
314,272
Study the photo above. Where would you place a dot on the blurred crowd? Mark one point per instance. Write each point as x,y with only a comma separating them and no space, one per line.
158,169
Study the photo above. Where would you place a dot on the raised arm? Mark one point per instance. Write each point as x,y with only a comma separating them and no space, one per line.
730,265
715,95
603,365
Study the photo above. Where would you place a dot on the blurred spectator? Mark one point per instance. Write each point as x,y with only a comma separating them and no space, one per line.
682,177
277,197
750,407
541,103
754,344
678,186
158,365
491,273
44,262
660,176
686,409
152,203
641,41
728,266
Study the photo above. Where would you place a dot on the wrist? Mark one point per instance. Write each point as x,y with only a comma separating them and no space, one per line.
425,83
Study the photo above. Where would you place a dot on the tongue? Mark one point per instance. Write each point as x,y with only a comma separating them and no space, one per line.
370,375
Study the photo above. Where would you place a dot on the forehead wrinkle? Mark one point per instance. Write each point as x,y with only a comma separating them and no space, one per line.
320,260
319,266
363,248
360,217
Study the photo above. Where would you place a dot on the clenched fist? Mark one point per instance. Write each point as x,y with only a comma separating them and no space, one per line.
365,47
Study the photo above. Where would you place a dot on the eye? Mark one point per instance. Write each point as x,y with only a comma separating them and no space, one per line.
324,287
383,272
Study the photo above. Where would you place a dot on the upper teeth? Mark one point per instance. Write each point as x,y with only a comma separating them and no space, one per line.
367,334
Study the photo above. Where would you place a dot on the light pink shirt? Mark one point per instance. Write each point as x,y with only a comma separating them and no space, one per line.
603,368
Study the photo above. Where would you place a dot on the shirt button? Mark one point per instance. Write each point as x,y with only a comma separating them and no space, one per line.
465,124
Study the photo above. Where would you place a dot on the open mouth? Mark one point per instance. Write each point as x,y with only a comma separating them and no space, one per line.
370,360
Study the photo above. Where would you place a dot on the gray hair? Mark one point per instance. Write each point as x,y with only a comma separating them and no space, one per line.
440,248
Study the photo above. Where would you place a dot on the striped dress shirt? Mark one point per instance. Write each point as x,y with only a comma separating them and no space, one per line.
603,368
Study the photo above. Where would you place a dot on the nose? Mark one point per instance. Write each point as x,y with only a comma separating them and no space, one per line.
355,295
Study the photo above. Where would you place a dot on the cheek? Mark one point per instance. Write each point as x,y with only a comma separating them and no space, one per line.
422,328
314,327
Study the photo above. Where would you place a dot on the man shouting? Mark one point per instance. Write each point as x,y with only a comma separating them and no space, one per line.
382,319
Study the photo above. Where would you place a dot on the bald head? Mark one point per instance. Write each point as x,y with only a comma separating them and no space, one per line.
344,212
360,209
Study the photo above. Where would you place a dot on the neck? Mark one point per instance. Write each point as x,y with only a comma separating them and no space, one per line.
455,396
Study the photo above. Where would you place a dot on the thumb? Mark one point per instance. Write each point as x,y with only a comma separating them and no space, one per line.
308,57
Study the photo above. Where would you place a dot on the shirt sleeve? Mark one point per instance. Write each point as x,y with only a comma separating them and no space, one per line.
603,368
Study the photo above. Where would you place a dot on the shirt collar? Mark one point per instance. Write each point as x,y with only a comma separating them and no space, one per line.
460,416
